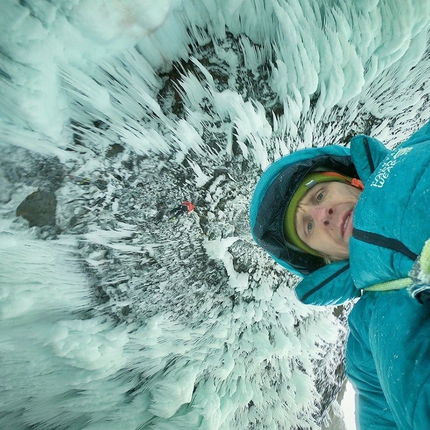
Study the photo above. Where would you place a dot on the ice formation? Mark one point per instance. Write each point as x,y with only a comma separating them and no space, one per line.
120,317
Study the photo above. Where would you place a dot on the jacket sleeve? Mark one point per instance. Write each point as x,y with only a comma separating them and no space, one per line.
373,411
388,359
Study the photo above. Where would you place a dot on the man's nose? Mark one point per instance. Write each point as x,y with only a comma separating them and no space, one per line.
323,214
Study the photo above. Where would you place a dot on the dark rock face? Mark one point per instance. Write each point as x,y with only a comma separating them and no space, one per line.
35,170
39,208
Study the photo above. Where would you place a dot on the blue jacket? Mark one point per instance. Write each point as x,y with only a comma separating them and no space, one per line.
388,350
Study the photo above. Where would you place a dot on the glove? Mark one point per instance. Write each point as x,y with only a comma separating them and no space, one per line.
420,276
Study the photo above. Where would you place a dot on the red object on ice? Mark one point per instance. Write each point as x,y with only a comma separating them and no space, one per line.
187,206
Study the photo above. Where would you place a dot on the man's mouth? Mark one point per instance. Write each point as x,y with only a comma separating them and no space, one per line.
346,221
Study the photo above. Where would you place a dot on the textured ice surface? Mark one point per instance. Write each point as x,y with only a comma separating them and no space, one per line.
118,316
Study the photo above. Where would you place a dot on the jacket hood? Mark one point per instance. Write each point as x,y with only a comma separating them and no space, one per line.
273,193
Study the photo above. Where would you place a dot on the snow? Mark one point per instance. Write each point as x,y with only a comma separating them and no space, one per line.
348,406
119,316
218,249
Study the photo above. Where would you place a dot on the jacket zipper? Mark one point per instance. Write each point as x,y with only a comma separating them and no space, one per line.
369,155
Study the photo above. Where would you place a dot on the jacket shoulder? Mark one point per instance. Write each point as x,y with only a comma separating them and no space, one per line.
367,153
421,135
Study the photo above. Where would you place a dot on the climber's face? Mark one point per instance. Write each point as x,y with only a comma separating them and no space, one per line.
324,218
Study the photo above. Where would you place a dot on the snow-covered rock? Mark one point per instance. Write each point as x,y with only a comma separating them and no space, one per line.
121,316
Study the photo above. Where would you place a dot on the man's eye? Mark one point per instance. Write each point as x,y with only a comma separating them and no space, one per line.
319,197
310,226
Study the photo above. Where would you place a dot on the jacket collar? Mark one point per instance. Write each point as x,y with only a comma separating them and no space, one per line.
330,285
